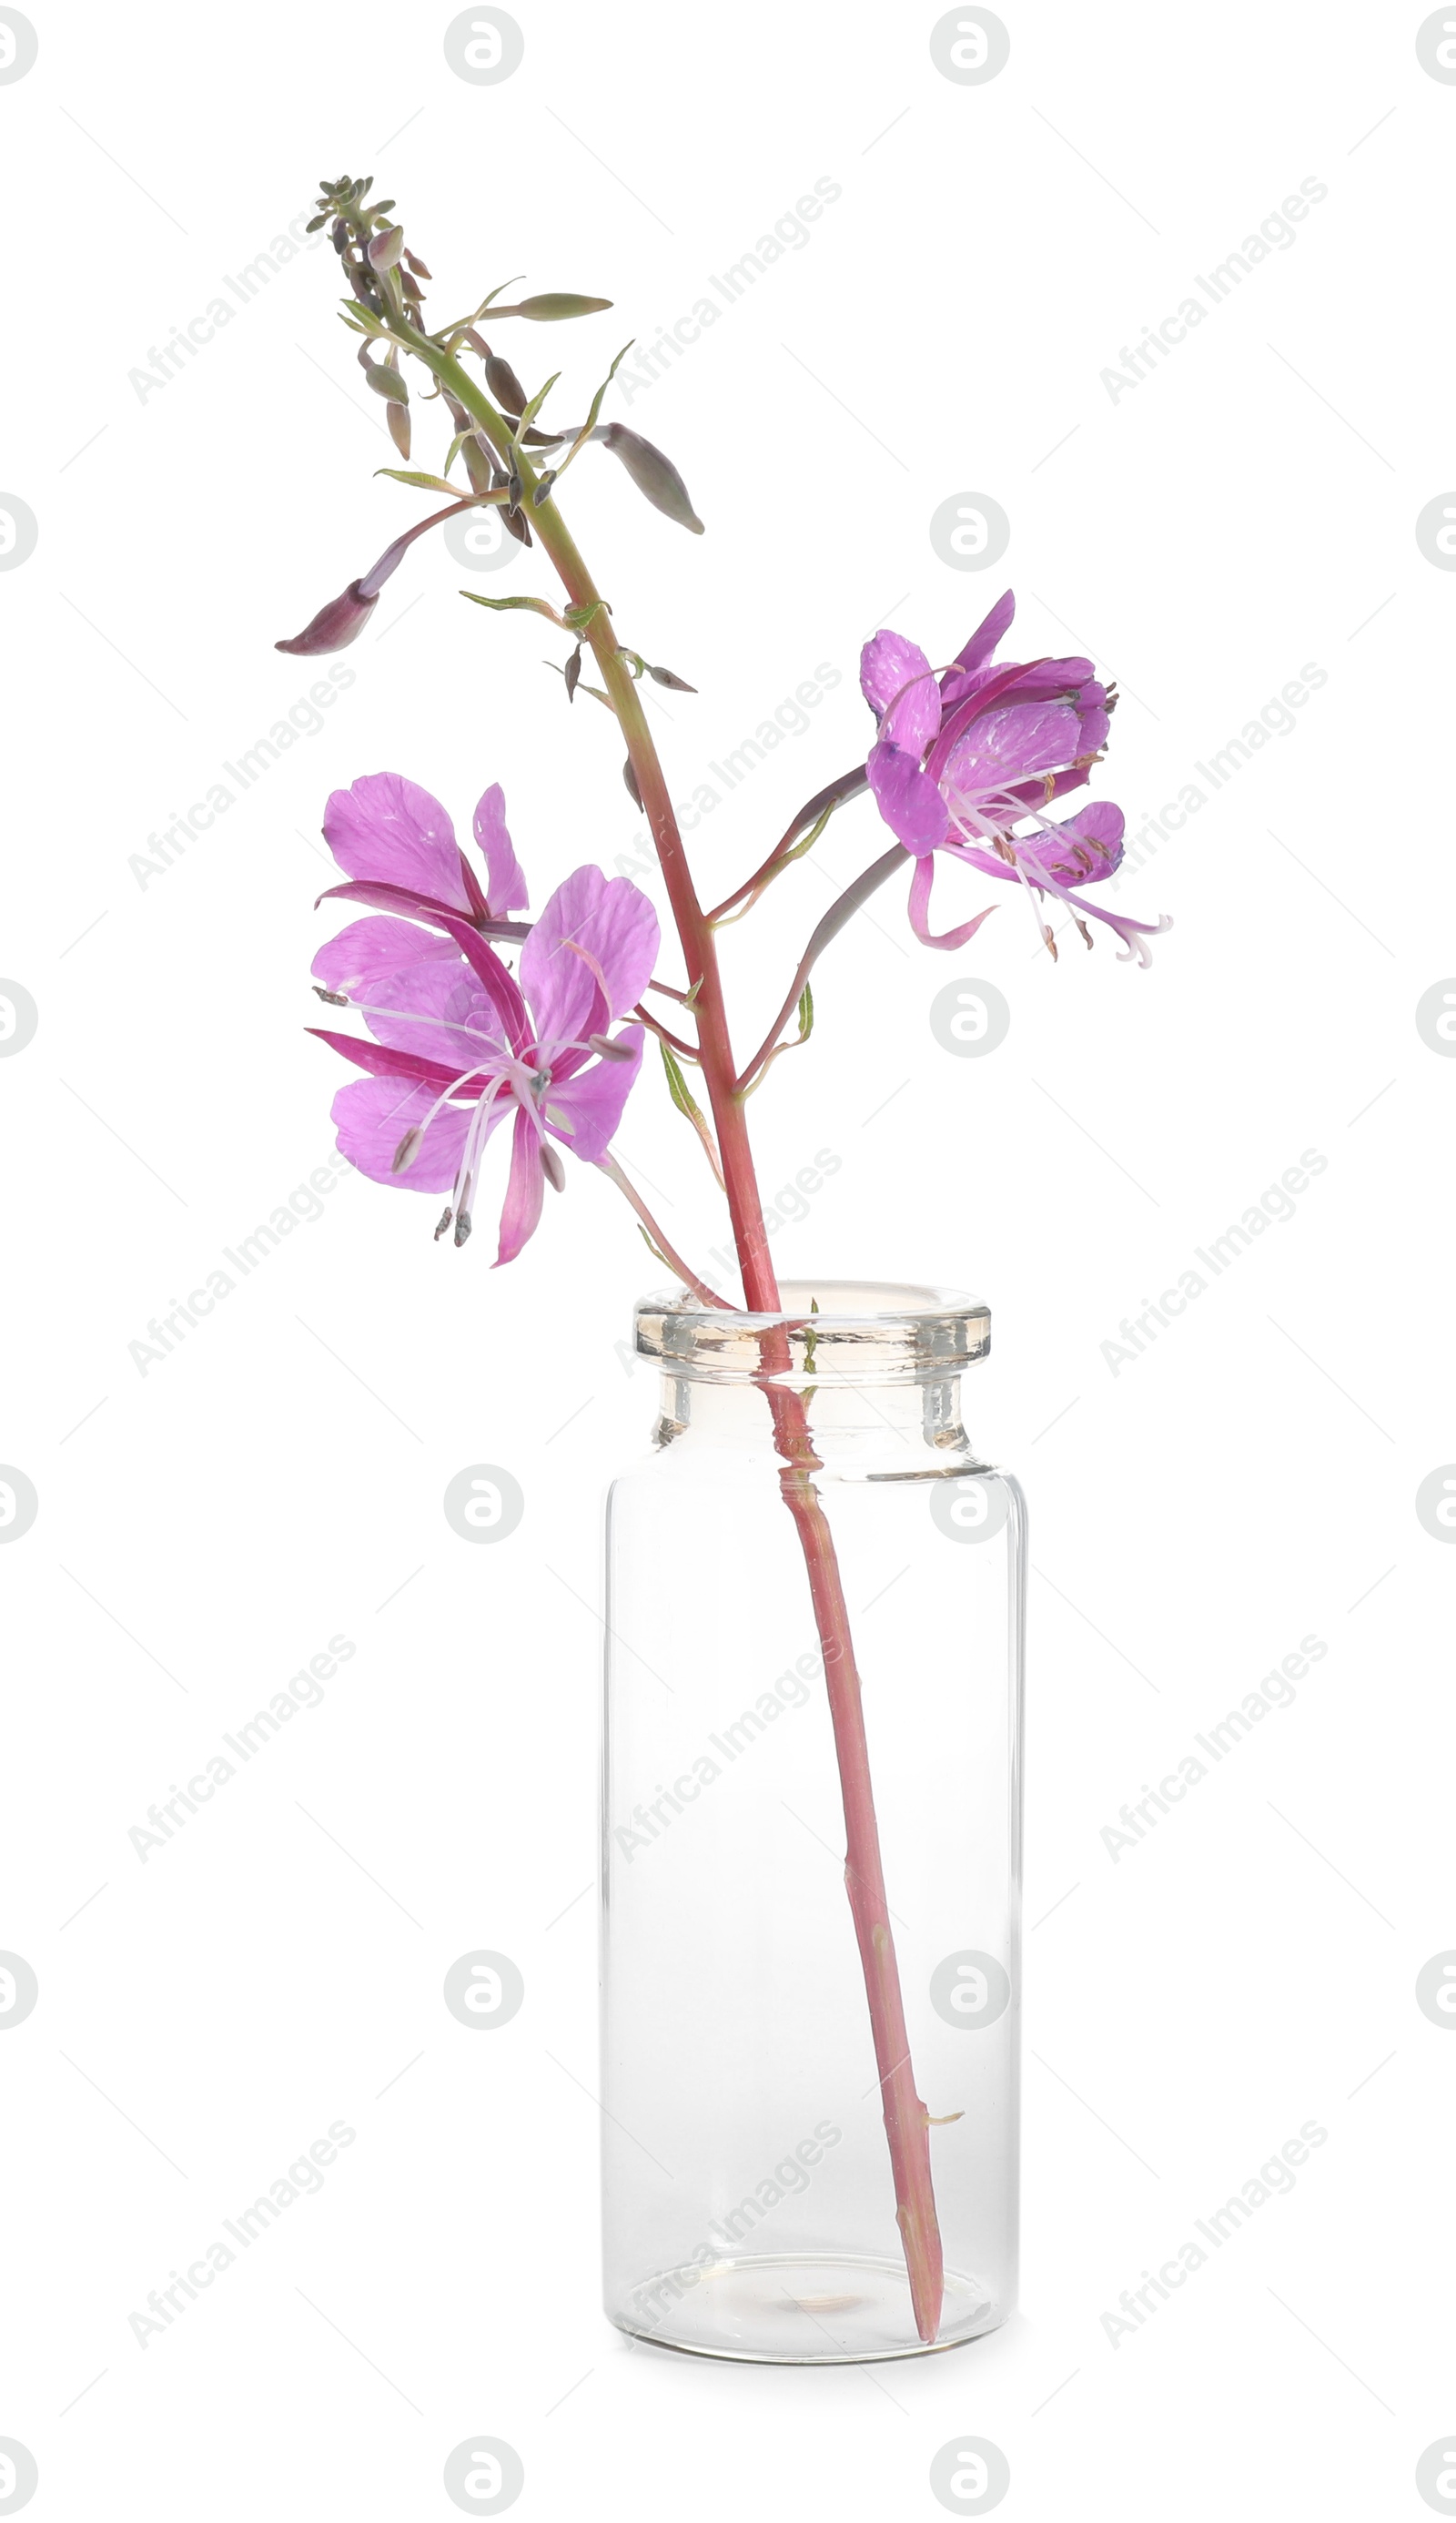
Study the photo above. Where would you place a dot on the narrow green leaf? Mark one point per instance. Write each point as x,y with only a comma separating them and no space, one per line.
419,481
580,617
592,416
677,1086
806,1014
515,605
533,407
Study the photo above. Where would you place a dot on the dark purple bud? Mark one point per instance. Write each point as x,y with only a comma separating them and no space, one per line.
339,621
420,270
505,386
658,481
477,463
552,1167
672,682
632,790
542,492
573,673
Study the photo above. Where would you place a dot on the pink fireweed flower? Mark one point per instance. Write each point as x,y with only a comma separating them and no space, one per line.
961,760
461,1045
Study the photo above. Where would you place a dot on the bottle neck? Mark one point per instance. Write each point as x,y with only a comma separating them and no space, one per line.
893,1420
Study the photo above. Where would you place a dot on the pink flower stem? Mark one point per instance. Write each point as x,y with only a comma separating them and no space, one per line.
907,2121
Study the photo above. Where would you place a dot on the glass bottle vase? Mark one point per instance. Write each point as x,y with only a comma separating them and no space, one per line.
812,1838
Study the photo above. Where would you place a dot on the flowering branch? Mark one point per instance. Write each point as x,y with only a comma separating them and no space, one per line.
964,761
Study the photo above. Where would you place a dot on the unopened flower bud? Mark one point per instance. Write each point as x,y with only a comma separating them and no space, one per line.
659,481
397,420
632,790
386,248
670,682
558,306
505,386
339,622
420,270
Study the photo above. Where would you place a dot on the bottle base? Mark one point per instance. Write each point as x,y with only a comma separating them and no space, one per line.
801,2309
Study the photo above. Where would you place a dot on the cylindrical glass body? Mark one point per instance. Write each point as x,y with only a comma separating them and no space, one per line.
750,2195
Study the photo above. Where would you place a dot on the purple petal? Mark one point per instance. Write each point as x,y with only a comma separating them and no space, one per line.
369,950
371,1117
911,804
382,1061
592,925
439,1011
505,887
1083,851
1007,746
990,635
897,680
583,1112
499,985
919,910
524,1192
388,831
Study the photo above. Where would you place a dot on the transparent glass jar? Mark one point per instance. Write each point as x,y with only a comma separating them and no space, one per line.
769,2180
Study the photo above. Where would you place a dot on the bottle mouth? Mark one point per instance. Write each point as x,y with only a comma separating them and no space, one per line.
825,1331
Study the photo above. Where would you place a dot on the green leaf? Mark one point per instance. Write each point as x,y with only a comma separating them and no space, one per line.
580,617
806,1014
592,416
677,1086
419,481
515,605
557,307
533,407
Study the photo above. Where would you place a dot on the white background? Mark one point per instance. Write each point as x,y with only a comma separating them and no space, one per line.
207,1526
